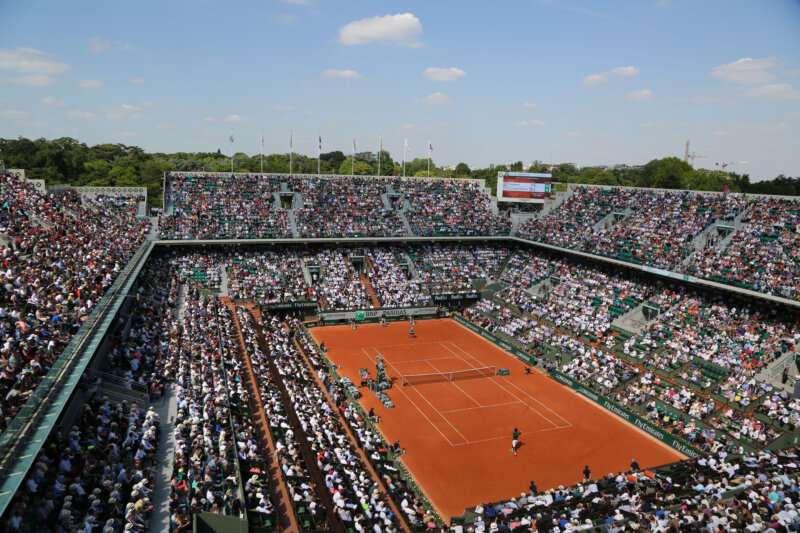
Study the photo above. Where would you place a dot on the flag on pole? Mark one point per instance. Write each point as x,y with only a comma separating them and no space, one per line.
231,136
320,143
381,146
291,135
262,141
430,146
354,145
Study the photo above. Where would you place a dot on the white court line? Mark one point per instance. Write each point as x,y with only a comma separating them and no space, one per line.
481,407
505,389
415,405
505,437
459,388
406,345
515,385
421,360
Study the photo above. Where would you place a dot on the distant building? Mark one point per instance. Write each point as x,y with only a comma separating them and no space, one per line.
367,156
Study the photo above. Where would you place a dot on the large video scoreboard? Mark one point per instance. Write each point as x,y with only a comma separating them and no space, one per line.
524,187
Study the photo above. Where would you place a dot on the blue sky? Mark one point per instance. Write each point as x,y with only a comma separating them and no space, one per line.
488,82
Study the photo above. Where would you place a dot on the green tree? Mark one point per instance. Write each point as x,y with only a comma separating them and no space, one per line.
361,168
462,169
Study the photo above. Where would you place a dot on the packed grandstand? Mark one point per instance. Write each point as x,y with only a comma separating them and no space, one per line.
677,306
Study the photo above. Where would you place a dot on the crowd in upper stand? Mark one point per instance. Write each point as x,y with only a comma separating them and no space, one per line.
348,207
762,254
664,229
447,208
60,253
223,207
248,206
673,230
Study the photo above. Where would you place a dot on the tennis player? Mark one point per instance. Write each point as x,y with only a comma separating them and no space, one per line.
515,440
411,333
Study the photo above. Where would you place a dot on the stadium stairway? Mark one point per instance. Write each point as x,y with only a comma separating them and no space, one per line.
292,222
376,303
318,481
363,459
404,220
283,500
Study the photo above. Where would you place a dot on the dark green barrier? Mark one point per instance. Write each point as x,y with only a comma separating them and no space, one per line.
494,339
628,416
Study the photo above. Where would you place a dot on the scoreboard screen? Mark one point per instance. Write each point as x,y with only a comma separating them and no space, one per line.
523,187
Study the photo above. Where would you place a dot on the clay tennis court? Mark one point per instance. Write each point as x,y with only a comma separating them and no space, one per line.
457,434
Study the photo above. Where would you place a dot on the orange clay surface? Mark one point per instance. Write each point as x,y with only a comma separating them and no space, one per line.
457,435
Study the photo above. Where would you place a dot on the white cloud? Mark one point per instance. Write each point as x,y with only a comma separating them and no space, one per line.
593,79
721,133
91,84
434,99
341,74
129,107
52,100
79,115
531,123
13,114
602,77
652,124
98,45
128,134
530,105
795,114
209,119
408,126
146,104
644,94
235,119
777,91
443,74
139,80
573,134
279,107
625,71
747,71
401,29
33,66
165,126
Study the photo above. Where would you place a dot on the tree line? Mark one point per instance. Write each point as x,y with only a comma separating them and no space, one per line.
67,160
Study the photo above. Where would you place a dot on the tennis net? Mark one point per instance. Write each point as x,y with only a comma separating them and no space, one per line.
457,375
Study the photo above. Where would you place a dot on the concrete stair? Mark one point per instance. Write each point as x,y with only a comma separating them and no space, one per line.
376,303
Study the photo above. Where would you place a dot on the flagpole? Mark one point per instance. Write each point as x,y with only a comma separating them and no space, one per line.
319,151
429,158
380,149
353,163
405,148
231,150
262,150
290,151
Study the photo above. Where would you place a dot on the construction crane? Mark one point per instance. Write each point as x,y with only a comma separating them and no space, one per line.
725,165
695,155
